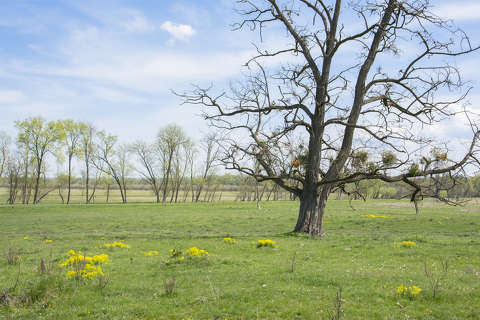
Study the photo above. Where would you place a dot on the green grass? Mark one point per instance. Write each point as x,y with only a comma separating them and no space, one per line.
358,255
134,195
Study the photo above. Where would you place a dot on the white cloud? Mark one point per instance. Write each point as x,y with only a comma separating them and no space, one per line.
459,11
178,31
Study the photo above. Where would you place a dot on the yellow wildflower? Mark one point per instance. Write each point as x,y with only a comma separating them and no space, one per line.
408,244
151,253
265,243
229,240
373,216
410,292
195,252
118,244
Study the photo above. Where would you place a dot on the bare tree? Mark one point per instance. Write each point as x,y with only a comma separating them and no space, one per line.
147,155
4,151
170,139
338,103
209,146
87,147
180,167
110,161
124,166
13,170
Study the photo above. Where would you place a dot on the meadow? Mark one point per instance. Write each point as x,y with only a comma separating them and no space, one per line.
381,261
135,194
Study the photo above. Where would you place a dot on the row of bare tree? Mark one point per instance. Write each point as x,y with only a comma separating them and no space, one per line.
171,162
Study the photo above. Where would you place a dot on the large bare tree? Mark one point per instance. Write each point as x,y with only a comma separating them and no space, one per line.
342,99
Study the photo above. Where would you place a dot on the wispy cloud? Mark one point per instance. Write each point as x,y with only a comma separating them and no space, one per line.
137,22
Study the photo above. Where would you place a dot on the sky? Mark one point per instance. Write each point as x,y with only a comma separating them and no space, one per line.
115,63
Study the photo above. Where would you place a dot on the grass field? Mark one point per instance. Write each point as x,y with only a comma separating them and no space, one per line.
133,195
298,279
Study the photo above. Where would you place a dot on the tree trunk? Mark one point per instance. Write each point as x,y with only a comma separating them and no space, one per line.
70,156
199,191
165,187
124,186
60,194
108,192
87,178
310,214
37,181
25,182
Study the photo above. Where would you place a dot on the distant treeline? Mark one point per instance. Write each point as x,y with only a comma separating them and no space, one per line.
231,187
174,168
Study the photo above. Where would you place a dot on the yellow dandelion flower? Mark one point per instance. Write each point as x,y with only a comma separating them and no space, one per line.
229,240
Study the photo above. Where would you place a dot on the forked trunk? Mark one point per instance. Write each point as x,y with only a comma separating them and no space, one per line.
310,215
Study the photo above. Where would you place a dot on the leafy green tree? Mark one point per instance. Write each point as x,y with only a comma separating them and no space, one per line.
39,138
71,134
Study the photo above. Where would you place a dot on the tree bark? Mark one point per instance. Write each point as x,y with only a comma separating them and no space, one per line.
311,211
37,181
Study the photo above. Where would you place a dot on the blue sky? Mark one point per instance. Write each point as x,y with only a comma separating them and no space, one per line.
113,63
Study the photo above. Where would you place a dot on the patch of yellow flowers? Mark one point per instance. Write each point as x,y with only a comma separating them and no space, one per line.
265,243
195,252
407,244
77,257
229,241
87,272
411,291
118,244
373,216
151,253
84,267
177,256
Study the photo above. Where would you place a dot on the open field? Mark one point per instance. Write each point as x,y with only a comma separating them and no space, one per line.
359,254
133,195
